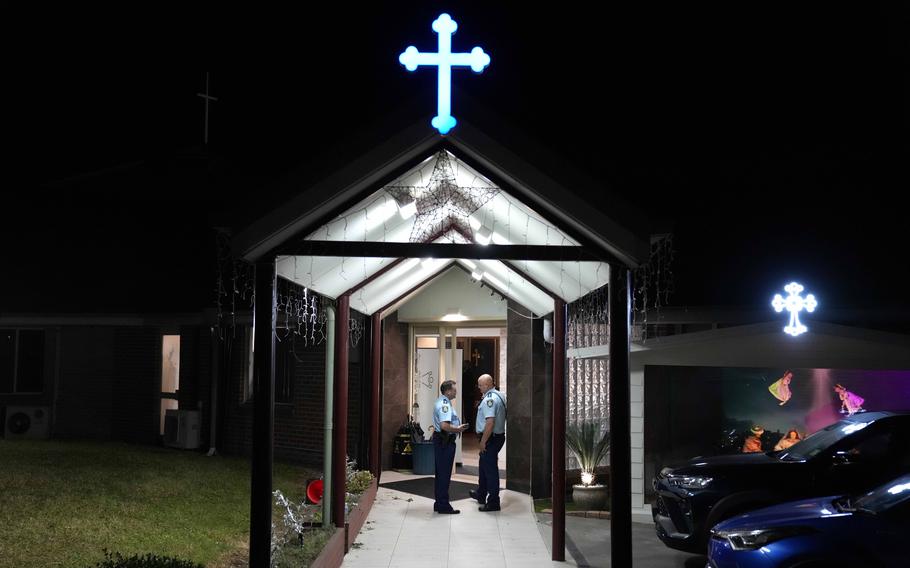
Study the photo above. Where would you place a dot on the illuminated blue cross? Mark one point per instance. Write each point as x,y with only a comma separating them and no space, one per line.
794,303
445,26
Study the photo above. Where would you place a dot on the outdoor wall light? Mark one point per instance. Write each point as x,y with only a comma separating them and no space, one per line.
483,236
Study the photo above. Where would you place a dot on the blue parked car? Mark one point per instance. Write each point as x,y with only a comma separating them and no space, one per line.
868,531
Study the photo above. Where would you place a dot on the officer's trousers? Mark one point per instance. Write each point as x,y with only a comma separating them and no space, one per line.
444,455
488,474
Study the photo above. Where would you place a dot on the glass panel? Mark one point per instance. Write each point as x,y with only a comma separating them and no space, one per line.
170,363
30,375
285,366
166,404
427,342
7,359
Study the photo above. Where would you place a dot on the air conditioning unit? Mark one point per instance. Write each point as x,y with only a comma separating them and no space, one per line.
181,429
27,423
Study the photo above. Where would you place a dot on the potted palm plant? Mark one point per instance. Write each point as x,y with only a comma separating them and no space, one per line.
590,445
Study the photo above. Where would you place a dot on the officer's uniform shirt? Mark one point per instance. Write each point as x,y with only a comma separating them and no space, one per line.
491,406
444,411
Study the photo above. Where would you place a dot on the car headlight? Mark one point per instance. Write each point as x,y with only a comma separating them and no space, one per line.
689,481
751,540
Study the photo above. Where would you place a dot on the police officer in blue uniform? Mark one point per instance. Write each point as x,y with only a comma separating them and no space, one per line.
491,427
447,427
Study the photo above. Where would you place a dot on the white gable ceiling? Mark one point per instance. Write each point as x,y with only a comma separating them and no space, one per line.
442,200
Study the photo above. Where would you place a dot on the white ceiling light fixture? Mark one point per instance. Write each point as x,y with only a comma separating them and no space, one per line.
407,210
452,315
483,236
380,215
478,276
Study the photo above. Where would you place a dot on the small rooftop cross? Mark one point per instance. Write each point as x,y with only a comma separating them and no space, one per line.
794,303
444,59
207,98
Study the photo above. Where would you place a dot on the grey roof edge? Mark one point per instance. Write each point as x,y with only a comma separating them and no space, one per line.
820,328
556,200
332,192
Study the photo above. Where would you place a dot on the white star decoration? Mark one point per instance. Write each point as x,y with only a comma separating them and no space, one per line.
442,204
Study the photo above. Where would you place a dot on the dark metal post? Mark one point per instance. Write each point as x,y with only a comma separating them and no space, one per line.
263,418
215,346
340,438
620,422
375,405
559,431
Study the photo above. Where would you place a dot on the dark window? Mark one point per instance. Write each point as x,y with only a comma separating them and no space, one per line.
21,360
285,365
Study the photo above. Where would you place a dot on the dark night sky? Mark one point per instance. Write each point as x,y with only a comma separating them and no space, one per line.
773,141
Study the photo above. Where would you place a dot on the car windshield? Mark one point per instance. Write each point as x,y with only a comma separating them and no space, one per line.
884,497
821,440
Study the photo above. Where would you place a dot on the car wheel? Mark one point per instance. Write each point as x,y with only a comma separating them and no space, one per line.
737,504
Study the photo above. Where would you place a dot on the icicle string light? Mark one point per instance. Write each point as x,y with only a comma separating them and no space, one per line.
652,284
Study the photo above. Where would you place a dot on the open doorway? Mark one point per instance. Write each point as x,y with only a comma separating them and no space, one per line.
170,376
484,353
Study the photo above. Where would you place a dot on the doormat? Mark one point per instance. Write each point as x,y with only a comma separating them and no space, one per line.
423,486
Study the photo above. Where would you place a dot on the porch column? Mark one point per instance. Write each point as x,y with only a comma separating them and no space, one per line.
375,370
263,417
559,431
340,441
620,423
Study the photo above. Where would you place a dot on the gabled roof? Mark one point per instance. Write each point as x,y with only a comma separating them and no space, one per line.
513,203
561,202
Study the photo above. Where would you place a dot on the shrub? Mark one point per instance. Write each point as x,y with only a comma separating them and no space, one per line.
117,560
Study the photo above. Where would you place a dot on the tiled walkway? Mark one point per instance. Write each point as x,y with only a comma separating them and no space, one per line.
402,531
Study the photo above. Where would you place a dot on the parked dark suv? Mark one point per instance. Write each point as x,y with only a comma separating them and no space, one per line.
853,455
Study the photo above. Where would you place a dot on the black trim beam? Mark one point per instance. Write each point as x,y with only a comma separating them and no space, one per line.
443,250
620,418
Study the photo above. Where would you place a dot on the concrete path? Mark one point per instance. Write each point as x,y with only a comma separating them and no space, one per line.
403,531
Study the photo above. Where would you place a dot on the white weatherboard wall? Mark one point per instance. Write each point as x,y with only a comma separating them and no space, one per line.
825,346
454,290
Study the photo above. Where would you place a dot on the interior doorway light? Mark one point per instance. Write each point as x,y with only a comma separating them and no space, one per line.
454,316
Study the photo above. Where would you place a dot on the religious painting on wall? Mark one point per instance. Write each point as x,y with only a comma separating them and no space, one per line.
703,411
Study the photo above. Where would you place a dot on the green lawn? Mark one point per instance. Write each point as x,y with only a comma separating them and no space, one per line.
62,503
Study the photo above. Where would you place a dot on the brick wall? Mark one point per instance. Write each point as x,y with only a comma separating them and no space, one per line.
108,384
395,407
135,403
299,423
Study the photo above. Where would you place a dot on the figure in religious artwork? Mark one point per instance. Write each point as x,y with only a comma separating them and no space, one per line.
781,388
753,442
791,438
850,402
